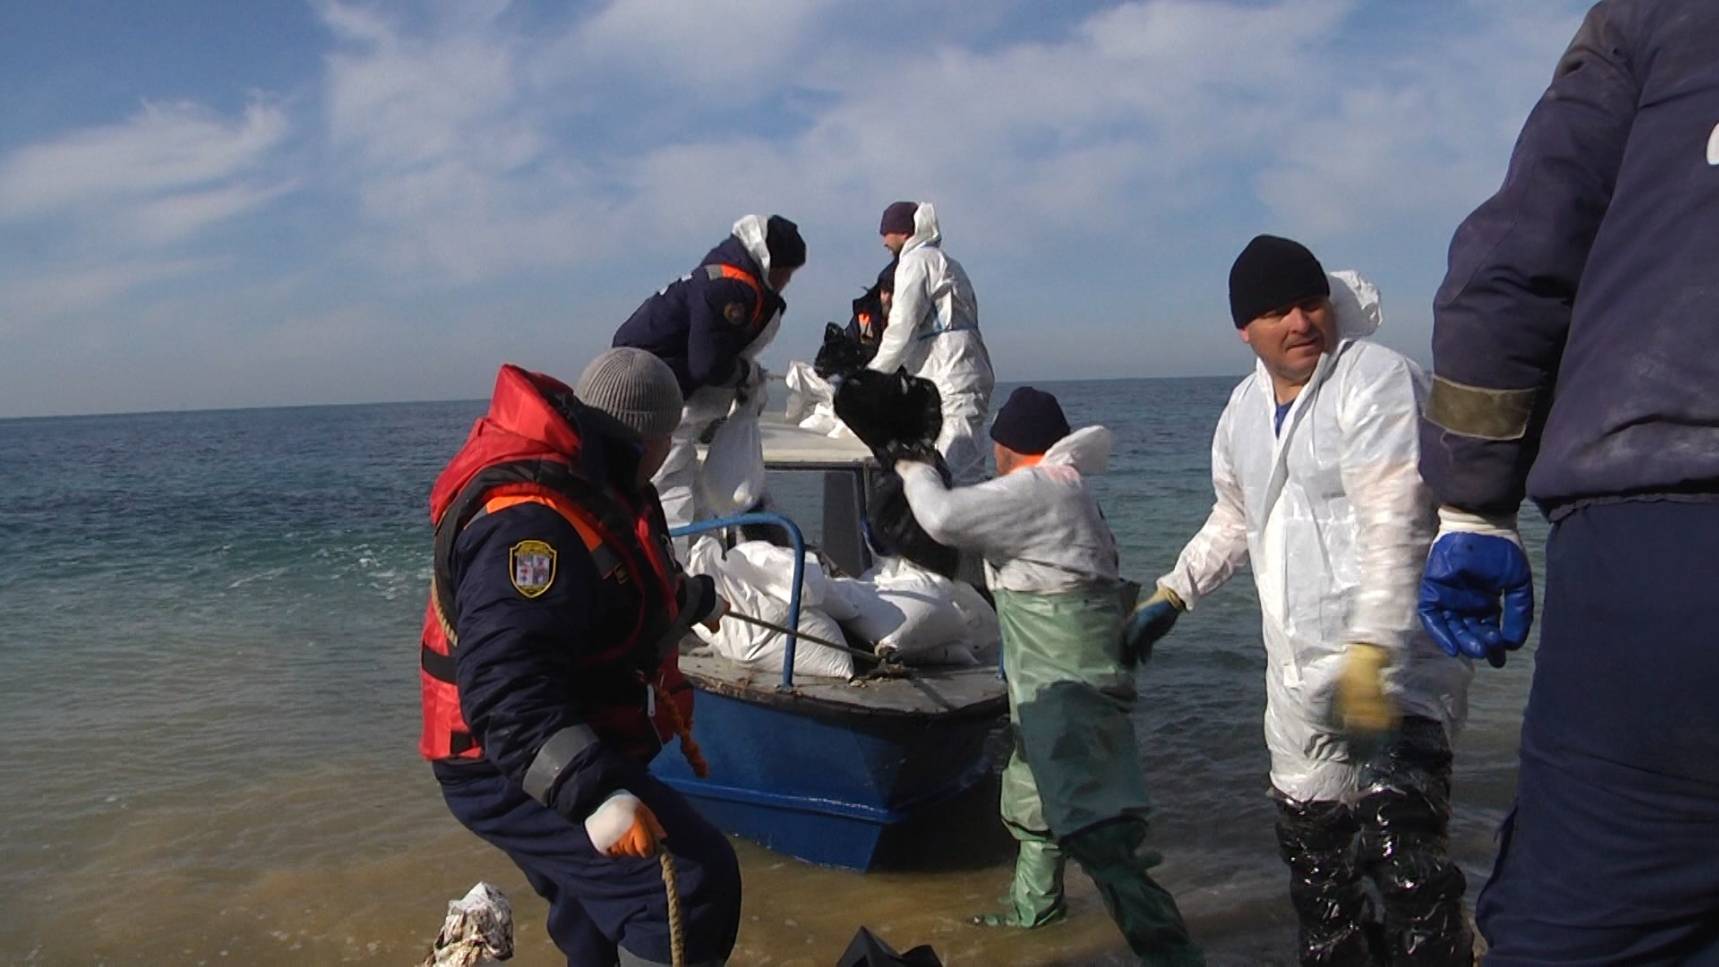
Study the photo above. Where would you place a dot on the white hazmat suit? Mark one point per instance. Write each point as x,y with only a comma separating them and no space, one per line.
934,332
1334,518
1039,529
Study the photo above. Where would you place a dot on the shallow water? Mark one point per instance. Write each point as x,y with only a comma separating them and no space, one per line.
208,630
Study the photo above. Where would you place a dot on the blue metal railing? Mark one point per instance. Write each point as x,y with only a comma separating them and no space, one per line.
793,529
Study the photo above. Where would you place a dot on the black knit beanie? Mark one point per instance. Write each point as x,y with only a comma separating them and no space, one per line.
1272,273
898,218
782,239
1030,422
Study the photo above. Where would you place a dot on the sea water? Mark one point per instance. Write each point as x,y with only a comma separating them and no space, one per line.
209,708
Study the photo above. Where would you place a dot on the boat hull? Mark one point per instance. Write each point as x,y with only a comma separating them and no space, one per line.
830,782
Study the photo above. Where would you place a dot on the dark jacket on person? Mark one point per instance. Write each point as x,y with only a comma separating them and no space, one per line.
554,573
700,324
1572,335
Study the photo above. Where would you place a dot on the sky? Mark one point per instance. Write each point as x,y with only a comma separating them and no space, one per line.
244,204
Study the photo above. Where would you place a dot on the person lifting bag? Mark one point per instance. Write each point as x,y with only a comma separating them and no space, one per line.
898,416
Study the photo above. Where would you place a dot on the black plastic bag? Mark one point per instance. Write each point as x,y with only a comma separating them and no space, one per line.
895,414
841,354
866,950
898,416
893,532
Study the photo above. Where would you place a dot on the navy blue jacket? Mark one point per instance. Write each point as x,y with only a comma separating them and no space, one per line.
701,322
523,666
1571,334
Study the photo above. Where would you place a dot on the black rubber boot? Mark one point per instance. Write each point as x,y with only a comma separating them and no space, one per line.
1405,848
1317,840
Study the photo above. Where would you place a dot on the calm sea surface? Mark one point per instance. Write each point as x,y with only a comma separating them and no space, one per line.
209,703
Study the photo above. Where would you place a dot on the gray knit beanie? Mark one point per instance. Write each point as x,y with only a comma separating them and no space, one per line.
634,387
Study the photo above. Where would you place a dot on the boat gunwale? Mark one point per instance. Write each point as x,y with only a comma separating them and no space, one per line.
798,699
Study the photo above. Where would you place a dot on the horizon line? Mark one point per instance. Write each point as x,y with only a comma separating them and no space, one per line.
479,399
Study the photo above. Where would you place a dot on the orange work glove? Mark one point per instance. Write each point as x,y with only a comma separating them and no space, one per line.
624,826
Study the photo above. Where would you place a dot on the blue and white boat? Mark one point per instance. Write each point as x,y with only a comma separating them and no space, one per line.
827,771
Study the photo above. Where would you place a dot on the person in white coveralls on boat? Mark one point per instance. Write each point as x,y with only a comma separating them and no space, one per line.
933,331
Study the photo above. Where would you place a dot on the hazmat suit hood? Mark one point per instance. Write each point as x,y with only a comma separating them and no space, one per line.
1356,302
1087,450
750,230
925,230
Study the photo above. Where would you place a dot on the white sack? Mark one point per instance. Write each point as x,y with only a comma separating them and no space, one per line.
925,617
770,568
757,647
732,478
811,402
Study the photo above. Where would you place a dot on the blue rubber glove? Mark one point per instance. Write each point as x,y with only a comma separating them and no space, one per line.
1152,620
1477,595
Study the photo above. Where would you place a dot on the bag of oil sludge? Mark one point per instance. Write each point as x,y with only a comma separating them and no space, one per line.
898,416
866,950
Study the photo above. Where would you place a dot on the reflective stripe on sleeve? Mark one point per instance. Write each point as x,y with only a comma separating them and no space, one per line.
553,757
1485,414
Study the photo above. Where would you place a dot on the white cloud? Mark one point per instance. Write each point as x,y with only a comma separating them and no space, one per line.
111,213
465,166
162,148
51,294
1423,133
1108,128
446,153
734,51
449,156
400,102
173,217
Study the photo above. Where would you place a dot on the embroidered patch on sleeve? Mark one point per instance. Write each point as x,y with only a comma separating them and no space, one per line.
735,313
531,567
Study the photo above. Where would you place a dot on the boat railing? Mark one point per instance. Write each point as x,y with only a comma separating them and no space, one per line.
799,542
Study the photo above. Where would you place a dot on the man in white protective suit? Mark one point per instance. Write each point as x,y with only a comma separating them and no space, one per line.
1073,786
1314,463
933,331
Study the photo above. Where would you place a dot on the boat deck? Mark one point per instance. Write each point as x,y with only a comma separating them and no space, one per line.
936,692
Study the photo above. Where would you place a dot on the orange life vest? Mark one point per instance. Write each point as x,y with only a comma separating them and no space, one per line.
504,464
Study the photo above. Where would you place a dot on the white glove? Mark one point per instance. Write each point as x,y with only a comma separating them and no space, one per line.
1452,520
